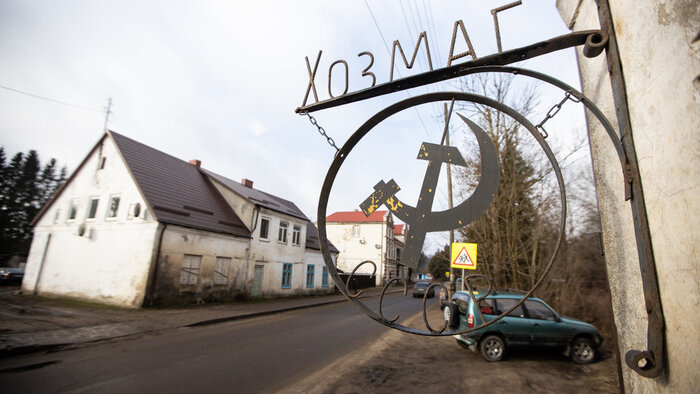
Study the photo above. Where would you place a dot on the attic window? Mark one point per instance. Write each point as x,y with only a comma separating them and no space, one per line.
102,163
73,210
113,207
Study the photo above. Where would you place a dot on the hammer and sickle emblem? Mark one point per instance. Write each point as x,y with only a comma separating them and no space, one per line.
421,220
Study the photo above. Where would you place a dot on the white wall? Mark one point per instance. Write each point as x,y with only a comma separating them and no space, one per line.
110,262
244,208
661,67
315,257
272,254
354,250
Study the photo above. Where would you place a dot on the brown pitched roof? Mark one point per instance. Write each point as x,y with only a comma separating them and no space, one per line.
260,198
312,239
176,191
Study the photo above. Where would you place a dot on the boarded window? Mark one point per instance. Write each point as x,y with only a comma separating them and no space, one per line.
189,273
221,270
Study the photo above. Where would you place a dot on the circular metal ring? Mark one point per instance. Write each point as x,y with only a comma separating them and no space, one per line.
364,130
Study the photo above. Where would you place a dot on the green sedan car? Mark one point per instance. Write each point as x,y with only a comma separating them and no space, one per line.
533,323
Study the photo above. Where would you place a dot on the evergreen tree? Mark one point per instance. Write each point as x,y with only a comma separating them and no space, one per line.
440,263
24,188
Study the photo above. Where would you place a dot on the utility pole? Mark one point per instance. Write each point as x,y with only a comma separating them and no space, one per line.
446,140
108,111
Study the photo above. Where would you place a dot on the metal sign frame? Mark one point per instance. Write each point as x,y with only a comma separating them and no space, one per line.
648,363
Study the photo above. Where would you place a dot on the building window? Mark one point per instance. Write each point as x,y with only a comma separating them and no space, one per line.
58,216
310,269
296,236
355,231
102,163
134,211
113,207
282,236
264,228
73,210
189,272
287,276
221,270
324,278
93,207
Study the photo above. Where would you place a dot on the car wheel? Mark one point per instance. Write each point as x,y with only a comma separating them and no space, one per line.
582,351
492,348
462,344
451,315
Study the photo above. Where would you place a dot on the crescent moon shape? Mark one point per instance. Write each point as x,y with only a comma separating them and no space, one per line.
476,204
471,208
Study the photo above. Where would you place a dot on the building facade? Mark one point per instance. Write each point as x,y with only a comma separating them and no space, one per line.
135,227
360,238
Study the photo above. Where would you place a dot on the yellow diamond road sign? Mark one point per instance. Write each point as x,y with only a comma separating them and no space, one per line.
463,256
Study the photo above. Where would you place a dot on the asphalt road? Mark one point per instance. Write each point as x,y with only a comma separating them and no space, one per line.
258,355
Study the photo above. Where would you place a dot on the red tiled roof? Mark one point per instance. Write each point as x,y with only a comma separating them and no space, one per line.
357,216
398,229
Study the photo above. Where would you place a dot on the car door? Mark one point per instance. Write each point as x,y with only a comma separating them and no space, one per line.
546,328
514,326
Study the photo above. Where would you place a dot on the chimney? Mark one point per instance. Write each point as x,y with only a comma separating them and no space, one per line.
247,182
196,163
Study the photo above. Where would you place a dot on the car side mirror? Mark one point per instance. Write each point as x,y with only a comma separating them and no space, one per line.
557,319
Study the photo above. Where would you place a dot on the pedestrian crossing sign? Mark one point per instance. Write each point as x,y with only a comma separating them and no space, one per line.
463,256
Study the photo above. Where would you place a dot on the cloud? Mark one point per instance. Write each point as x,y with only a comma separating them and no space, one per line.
257,128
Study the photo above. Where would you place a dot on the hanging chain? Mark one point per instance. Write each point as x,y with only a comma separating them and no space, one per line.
554,110
321,130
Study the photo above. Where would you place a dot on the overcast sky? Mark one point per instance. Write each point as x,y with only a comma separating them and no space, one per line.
219,82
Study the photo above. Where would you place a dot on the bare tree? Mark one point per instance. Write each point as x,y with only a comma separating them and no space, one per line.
513,230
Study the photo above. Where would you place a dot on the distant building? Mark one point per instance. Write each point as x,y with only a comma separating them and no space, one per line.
134,226
360,238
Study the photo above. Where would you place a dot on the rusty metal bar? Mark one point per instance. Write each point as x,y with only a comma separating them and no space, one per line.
648,363
586,37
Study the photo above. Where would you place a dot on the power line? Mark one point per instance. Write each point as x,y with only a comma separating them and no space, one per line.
50,99
389,52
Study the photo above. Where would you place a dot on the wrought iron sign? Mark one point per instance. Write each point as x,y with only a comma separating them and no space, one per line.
422,220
